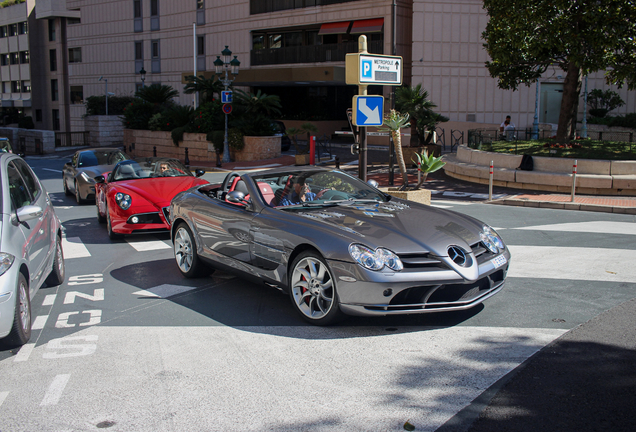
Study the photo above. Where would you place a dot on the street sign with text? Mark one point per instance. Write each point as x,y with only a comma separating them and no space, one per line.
373,69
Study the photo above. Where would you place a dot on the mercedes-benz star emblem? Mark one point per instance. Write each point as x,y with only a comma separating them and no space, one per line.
457,255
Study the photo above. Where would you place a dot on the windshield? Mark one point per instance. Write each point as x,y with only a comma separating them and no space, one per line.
99,157
314,188
149,168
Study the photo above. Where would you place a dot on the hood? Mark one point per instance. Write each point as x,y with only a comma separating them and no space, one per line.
401,226
96,170
159,190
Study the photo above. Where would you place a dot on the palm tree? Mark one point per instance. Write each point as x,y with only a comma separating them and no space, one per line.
393,122
207,87
157,94
258,103
415,102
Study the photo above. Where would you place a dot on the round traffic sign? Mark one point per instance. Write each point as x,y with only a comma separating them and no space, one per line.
227,108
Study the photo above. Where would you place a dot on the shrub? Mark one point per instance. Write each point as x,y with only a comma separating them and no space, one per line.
137,114
96,105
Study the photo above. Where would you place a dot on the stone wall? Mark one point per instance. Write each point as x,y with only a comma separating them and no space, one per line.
34,141
105,131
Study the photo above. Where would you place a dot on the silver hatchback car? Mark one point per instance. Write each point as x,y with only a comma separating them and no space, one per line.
30,247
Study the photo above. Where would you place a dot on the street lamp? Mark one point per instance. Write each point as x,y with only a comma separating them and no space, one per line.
142,72
106,82
535,123
221,68
584,127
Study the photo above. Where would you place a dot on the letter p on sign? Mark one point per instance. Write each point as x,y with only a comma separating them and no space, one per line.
366,68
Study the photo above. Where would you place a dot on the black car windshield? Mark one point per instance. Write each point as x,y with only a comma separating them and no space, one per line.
142,168
314,189
98,157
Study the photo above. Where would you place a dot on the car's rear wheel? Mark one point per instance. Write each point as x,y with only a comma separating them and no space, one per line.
100,217
21,330
313,289
67,192
185,252
56,277
109,228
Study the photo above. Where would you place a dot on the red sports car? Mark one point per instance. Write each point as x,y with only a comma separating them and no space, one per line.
135,197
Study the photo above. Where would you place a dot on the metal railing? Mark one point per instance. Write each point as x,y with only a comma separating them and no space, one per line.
310,53
323,145
71,139
264,6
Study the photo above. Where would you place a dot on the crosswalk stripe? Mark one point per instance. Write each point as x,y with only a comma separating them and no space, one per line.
74,248
49,299
24,353
3,396
164,291
145,245
54,393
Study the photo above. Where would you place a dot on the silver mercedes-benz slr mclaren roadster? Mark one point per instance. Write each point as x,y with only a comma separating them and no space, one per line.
336,244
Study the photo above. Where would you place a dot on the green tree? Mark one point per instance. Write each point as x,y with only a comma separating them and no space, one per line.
523,39
415,102
157,94
603,101
207,87
258,103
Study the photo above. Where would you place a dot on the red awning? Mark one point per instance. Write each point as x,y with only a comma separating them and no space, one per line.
367,26
334,28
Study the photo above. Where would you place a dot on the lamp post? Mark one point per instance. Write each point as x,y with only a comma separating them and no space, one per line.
221,68
142,72
584,126
106,82
535,124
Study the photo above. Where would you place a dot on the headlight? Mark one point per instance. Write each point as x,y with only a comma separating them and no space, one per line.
492,240
6,261
375,259
87,178
123,200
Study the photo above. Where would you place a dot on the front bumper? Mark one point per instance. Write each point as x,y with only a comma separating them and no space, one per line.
8,284
142,223
366,293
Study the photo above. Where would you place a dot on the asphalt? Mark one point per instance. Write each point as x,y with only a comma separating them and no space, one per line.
583,381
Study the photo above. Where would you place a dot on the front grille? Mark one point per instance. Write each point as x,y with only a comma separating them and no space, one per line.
423,261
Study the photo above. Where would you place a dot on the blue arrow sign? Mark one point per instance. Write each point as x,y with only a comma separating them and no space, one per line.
368,110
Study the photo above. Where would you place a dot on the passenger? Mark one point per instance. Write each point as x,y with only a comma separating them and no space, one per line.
299,194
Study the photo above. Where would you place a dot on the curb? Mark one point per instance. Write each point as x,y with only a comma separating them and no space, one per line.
564,206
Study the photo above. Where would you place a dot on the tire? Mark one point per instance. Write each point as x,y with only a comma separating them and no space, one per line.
109,228
78,198
100,218
21,330
56,277
67,192
312,290
185,253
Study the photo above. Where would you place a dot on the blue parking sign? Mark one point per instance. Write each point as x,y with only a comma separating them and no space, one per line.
367,69
368,110
226,97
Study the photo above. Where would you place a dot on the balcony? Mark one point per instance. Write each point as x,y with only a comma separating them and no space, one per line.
310,53
264,6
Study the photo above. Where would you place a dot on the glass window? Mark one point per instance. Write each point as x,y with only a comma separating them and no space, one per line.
24,57
137,8
200,45
75,55
31,183
56,119
14,58
275,41
3,31
293,39
38,115
155,49
4,59
26,86
258,41
77,94
154,7
52,60
139,50
13,29
51,30
5,86
73,21
15,86
54,92
22,28
200,4
18,189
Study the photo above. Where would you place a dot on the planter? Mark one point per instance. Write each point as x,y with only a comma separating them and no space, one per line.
422,196
258,148
302,159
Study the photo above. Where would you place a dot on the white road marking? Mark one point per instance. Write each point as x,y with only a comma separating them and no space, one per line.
572,263
441,206
54,393
164,291
39,322
24,353
74,248
49,299
600,227
53,170
451,203
147,245
3,396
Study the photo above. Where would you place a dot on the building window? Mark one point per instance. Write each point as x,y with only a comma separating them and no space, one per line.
26,86
56,119
4,59
22,27
54,94
13,29
75,55
73,21
201,45
24,57
77,94
51,30
52,60
38,115
200,12
200,4
3,31
14,58
15,86
154,15
139,50
137,15
155,55
5,86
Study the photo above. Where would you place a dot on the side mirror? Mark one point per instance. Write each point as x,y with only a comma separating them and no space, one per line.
199,172
100,179
373,183
29,212
236,197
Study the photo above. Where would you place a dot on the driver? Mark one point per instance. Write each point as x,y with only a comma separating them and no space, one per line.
299,194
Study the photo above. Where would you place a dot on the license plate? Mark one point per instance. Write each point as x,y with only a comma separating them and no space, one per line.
499,261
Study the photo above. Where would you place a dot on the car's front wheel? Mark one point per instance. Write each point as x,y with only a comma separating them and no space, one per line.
78,197
313,289
100,217
185,252
67,192
109,228
21,330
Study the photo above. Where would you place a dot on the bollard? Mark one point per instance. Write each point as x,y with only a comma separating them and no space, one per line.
154,151
490,181
574,180
312,150
187,158
337,162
